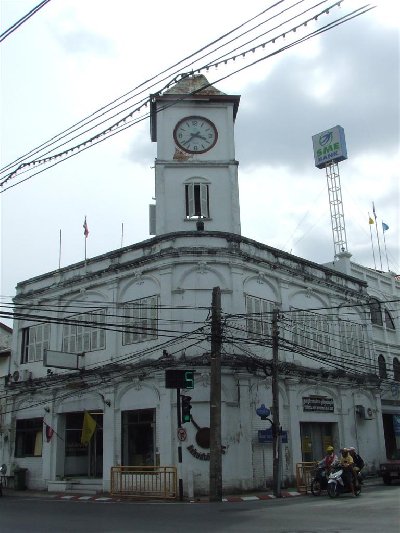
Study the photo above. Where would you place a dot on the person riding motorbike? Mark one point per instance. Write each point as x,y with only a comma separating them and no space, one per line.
358,465
346,462
330,458
320,480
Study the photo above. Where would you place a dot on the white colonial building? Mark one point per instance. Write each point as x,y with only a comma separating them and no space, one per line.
139,310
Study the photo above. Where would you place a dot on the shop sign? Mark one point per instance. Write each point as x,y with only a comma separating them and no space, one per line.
320,404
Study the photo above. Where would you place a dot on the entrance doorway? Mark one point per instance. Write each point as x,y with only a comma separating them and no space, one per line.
81,460
138,437
315,438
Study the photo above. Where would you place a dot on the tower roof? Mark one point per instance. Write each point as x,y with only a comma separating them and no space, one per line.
190,87
194,84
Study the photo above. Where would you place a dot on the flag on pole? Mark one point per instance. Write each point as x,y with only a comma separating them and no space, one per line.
89,426
85,228
49,432
371,220
385,227
373,209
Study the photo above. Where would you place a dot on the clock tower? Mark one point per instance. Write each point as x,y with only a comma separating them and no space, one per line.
196,174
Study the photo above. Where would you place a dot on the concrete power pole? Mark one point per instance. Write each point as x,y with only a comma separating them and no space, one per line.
276,426
215,399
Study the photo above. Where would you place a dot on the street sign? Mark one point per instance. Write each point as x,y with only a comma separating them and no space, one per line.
179,379
182,434
265,436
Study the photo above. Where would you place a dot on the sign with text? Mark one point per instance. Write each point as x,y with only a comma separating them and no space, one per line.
329,146
318,404
265,436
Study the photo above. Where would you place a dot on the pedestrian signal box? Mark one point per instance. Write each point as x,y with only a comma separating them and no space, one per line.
179,379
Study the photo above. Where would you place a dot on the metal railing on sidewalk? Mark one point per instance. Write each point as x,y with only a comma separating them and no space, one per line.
144,481
304,475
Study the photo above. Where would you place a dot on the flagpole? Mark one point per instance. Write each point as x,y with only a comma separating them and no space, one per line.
59,253
377,235
122,233
372,243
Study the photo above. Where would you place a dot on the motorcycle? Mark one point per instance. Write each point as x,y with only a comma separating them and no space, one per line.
320,479
337,486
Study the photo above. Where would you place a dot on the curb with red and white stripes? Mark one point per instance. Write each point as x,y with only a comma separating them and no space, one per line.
232,499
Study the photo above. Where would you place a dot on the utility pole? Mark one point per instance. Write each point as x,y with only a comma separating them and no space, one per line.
215,489
276,427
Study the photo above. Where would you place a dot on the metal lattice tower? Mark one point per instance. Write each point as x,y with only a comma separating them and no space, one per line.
336,207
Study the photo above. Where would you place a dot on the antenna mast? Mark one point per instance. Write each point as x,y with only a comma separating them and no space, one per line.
336,207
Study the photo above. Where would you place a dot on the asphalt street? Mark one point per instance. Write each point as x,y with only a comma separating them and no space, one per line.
377,509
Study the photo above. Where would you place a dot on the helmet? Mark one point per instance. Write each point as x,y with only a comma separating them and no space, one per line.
330,449
351,449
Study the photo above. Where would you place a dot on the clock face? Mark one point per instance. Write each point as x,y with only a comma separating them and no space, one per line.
195,135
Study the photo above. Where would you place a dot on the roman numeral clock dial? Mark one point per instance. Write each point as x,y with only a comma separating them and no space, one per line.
195,135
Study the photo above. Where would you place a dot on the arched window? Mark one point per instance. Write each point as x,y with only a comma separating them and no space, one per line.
396,369
389,320
376,311
382,367
197,198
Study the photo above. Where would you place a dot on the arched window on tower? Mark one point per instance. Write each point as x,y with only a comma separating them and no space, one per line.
389,320
382,367
376,312
197,199
396,369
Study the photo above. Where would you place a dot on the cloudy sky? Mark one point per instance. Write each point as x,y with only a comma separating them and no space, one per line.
74,57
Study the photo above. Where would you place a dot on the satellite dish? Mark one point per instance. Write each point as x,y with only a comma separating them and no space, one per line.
3,469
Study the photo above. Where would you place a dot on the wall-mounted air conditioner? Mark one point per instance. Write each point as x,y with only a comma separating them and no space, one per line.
21,375
363,412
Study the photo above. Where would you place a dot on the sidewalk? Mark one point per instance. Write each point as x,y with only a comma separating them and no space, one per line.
107,498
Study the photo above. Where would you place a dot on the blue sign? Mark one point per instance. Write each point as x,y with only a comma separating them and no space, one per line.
265,436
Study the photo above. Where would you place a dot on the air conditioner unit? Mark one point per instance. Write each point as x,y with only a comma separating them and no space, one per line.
365,413
21,375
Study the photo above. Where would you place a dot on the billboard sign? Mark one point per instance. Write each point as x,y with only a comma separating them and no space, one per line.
61,359
329,146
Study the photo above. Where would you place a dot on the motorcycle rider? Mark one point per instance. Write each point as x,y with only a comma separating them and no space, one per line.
358,464
346,462
330,458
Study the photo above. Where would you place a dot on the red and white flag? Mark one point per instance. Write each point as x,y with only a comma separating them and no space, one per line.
49,432
85,229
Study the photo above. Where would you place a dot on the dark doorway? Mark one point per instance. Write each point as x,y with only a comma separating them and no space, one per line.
315,438
81,460
138,437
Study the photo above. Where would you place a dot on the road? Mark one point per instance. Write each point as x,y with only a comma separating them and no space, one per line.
377,509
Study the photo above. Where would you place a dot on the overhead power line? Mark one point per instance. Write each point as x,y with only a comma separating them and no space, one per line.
23,19
127,121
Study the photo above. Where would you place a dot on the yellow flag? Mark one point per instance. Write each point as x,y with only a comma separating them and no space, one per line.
371,220
89,426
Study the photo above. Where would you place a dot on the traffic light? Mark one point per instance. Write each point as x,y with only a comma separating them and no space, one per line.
186,408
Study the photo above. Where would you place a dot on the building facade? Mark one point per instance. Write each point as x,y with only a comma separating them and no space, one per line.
132,313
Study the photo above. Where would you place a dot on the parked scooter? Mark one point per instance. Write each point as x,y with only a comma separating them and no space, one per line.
336,485
320,480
